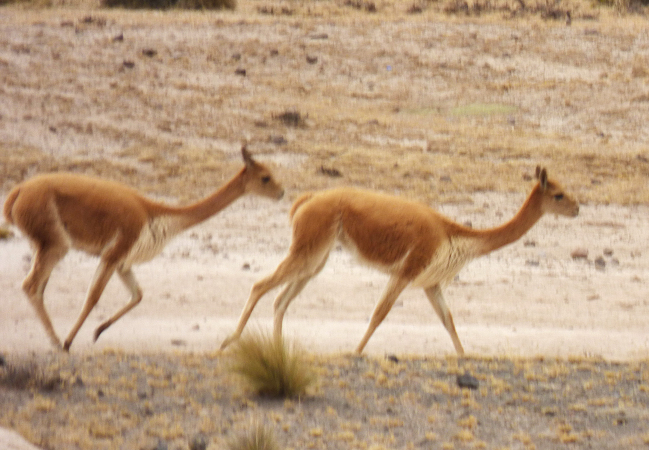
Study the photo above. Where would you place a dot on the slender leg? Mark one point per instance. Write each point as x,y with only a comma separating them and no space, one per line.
396,285
102,275
288,294
434,294
45,258
127,277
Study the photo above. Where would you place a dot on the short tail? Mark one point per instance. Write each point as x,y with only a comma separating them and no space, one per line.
9,204
302,199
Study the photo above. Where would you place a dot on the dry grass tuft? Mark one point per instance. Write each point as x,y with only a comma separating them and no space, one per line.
257,437
270,367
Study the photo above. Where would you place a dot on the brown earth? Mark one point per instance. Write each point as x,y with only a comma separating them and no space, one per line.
453,110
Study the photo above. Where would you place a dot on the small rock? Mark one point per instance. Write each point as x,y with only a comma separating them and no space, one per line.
311,59
196,327
529,243
600,263
128,64
245,266
467,381
532,262
392,358
178,342
468,224
149,52
608,252
579,253
240,71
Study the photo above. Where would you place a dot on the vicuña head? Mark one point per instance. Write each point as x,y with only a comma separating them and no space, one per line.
416,245
60,211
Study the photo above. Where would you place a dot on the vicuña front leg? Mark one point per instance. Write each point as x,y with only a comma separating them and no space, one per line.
436,299
129,280
396,285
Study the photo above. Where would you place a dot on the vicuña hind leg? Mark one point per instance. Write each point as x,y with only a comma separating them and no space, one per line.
286,297
45,258
436,299
292,270
396,285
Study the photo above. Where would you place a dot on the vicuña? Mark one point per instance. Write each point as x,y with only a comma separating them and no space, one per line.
414,244
59,211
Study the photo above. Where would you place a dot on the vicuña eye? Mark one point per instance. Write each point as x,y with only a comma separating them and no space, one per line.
558,197
265,179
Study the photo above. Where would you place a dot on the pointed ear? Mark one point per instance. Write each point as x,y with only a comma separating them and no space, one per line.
247,157
542,176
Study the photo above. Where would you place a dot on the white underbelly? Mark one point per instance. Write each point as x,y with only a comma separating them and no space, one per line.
152,240
446,263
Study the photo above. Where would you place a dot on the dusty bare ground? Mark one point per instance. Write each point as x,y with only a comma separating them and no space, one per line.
452,111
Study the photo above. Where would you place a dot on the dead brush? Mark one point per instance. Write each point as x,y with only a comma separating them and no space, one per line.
28,375
291,118
168,4
269,366
257,437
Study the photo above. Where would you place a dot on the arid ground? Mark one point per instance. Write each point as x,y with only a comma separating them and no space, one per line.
449,105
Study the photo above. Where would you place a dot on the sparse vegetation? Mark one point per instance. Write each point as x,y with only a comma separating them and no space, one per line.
166,400
167,4
271,367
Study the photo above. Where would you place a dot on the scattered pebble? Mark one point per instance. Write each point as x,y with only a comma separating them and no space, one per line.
600,264
467,381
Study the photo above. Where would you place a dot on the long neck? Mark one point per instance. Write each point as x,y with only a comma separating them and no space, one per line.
187,216
513,230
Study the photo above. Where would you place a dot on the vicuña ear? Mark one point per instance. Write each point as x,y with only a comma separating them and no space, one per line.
542,176
247,157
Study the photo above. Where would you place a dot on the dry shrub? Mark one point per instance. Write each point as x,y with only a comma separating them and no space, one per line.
5,233
28,375
257,437
269,366
167,4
